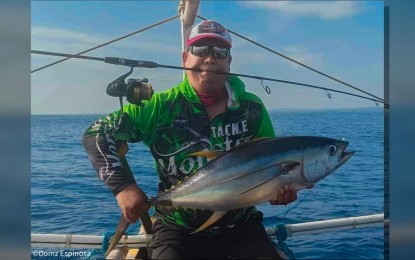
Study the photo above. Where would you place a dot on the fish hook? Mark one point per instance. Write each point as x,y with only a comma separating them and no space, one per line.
266,88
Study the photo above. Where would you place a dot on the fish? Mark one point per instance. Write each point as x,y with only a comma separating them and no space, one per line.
254,172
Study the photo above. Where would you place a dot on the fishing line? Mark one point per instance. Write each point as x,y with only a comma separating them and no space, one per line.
307,85
284,214
150,64
243,37
302,94
109,42
299,63
315,95
320,96
344,99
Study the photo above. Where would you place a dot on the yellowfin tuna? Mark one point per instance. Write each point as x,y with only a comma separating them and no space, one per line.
254,172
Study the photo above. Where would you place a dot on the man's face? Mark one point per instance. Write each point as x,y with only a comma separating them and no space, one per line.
207,81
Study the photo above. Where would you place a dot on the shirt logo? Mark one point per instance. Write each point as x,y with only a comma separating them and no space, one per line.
180,123
211,27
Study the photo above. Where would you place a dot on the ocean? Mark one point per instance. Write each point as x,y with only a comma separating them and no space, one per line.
67,197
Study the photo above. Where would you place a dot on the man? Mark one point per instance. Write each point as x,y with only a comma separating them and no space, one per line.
207,111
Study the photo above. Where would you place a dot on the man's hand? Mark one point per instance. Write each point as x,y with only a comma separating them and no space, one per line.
285,196
133,202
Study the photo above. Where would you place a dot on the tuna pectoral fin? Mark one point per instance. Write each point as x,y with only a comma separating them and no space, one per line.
215,217
288,166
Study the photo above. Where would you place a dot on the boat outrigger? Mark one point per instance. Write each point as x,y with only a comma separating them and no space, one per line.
129,244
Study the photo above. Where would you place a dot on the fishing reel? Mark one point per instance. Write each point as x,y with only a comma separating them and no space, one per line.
135,90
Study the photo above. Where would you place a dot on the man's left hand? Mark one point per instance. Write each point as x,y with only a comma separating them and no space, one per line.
285,196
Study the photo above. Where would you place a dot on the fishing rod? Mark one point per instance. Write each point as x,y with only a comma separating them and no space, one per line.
150,64
297,62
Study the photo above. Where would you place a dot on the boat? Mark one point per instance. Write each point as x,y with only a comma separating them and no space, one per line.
129,244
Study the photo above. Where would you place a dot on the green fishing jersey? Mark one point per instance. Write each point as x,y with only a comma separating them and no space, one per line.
174,124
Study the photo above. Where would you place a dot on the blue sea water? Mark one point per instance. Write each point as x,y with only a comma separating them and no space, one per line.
67,197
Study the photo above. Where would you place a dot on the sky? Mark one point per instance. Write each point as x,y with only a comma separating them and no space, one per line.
344,39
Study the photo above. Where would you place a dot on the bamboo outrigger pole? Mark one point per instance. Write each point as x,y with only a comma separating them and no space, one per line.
188,11
314,227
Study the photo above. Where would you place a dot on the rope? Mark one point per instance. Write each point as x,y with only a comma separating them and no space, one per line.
106,237
281,232
284,248
109,42
93,253
299,63
282,235
181,7
293,207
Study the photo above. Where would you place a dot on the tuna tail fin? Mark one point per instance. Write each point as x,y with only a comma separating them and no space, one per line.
213,219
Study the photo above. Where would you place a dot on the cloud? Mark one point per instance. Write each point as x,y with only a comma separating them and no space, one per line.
83,83
304,56
244,58
59,34
51,38
148,47
322,9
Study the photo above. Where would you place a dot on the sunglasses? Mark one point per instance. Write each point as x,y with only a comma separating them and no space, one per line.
203,51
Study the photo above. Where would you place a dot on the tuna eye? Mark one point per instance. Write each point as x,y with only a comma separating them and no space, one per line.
332,149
